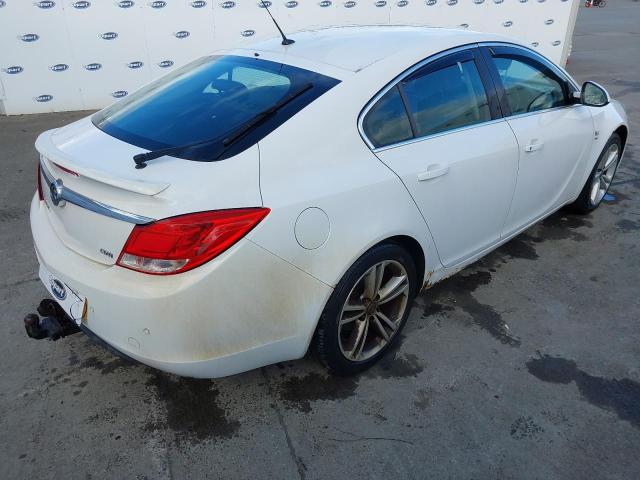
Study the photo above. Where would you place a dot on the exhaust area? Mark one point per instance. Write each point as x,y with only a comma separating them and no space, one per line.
50,322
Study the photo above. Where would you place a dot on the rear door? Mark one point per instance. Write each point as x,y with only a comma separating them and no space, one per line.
554,134
440,130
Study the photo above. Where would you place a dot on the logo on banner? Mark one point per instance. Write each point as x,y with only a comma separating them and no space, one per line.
198,4
325,3
60,67
109,35
451,3
247,33
291,4
57,288
45,4
228,4
165,63
402,3
126,4
497,2
158,4
265,3
464,25
535,44
380,3
134,65
182,34
29,37
350,4
523,1
43,98
81,5
431,2
549,22
508,23
13,70
479,2
556,43
119,94
93,66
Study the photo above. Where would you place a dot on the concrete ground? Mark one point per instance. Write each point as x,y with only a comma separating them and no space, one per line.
524,366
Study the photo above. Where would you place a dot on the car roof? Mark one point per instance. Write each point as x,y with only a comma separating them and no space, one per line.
354,48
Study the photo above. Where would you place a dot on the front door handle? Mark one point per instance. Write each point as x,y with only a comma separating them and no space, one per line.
532,147
433,171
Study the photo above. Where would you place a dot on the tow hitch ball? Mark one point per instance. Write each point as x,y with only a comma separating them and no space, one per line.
54,324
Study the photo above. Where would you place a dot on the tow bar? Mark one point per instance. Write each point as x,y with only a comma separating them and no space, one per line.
54,324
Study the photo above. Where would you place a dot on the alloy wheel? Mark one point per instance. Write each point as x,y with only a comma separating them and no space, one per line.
373,311
603,176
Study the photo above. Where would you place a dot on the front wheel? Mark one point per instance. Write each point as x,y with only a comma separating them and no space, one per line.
367,310
601,177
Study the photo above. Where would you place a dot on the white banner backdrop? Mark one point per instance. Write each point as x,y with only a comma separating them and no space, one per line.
71,55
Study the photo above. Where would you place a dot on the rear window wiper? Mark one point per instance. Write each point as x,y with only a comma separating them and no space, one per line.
232,137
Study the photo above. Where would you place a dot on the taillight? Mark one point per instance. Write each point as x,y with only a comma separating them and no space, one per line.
178,244
40,192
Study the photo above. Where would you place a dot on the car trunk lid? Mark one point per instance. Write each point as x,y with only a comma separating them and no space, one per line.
104,196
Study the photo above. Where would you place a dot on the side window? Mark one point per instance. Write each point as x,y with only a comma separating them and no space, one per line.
448,98
529,86
387,122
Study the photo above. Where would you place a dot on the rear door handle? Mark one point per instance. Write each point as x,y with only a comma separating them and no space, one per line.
433,171
532,147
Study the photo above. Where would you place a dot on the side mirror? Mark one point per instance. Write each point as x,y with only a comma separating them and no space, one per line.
594,95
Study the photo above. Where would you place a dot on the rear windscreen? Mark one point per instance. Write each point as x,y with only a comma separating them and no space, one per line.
207,99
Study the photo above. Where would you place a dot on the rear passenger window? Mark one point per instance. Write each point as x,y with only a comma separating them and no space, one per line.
448,98
529,87
387,122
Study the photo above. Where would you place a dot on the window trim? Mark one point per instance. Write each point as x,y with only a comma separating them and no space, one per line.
492,90
568,84
487,82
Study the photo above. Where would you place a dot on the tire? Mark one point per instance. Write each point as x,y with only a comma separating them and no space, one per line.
603,172
374,274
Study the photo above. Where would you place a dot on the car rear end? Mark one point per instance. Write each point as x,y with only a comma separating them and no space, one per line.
159,262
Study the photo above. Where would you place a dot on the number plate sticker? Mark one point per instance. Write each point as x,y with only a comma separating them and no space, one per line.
70,301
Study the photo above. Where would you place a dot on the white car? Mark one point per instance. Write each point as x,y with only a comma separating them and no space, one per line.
260,202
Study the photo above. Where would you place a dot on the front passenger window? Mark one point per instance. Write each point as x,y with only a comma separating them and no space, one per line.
528,88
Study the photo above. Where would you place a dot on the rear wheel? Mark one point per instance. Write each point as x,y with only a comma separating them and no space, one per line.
601,177
367,310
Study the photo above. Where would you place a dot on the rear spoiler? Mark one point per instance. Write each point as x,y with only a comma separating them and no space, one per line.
45,146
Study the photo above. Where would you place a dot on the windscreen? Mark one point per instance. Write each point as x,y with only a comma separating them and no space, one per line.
210,99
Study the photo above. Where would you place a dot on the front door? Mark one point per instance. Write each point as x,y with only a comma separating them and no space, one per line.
554,134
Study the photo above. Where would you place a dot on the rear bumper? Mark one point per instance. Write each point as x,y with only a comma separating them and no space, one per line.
244,309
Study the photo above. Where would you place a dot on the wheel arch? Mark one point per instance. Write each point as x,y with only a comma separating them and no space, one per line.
623,132
413,247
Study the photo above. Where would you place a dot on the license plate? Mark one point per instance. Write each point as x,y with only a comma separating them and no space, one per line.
70,301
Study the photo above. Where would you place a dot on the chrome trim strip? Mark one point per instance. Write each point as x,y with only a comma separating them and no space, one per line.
561,72
93,205
439,134
539,112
